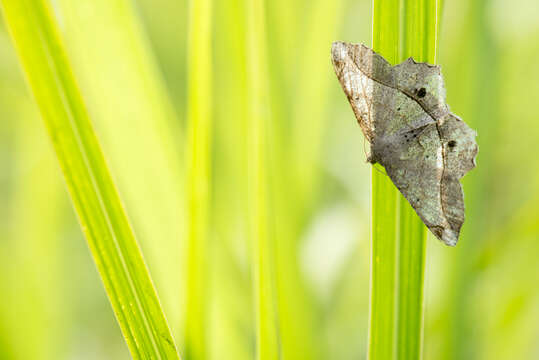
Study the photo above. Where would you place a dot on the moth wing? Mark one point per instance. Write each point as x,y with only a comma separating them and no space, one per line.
414,162
459,151
424,83
370,84
356,85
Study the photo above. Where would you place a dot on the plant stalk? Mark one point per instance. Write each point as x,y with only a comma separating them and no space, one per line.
263,261
400,29
199,176
103,220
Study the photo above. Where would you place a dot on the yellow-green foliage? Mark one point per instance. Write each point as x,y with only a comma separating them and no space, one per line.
281,154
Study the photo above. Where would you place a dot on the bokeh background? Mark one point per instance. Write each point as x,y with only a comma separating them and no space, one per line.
129,57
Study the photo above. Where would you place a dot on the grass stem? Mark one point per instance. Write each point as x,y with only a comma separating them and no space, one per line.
400,29
198,168
382,310
101,214
263,261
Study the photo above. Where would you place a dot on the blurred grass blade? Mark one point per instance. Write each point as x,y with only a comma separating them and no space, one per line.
32,257
385,32
309,126
198,167
481,100
232,327
419,34
39,299
102,217
299,153
263,261
125,94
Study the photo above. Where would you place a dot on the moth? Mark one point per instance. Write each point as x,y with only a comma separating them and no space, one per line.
424,148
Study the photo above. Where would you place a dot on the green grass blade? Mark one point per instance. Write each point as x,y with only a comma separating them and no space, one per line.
480,101
299,154
232,327
95,198
35,246
308,112
384,217
400,29
410,279
198,168
263,261
31,247
383,268
134,117
419,33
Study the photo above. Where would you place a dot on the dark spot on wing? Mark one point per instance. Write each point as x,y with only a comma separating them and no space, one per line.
421,92
452,144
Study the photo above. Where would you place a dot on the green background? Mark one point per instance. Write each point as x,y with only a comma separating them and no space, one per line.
482,297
